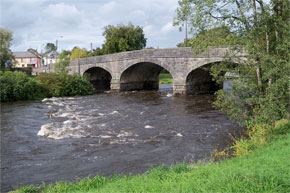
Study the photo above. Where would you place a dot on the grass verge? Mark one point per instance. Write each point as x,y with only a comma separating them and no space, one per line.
165,78
266,169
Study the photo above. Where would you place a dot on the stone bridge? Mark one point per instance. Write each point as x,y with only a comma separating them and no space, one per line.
139,70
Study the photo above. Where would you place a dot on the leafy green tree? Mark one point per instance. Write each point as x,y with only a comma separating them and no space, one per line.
78,53
5,42
98,52
220,36
123,38
50,47
260,92
63,61
181,20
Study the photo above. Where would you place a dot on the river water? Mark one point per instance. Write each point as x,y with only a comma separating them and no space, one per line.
125,133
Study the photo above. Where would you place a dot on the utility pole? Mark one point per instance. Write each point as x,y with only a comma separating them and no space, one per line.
92,47
56,44
186,33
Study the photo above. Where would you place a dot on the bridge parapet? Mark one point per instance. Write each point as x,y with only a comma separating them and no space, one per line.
211,51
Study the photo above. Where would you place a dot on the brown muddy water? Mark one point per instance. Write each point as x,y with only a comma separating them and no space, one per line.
125,133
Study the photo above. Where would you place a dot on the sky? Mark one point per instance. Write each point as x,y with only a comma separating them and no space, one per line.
81,22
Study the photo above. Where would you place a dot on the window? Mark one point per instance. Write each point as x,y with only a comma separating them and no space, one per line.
21,59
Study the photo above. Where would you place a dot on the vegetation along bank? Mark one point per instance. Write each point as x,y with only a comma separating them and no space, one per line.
17,86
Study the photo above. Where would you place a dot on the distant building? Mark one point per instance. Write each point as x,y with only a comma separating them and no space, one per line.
26,59
49,58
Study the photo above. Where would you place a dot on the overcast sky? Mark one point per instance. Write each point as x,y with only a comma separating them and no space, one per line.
80,22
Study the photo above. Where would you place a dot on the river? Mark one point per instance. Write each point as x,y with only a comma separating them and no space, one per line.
125,133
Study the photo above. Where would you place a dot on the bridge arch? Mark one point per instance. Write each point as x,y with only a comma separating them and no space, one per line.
99,77
143,75
200,81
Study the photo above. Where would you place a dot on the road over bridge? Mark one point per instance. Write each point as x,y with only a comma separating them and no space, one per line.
139,70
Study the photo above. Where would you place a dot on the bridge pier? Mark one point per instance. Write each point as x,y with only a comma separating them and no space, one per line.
179,89
115,85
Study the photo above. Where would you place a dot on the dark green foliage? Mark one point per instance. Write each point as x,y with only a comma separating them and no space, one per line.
98,52
50,47
5,43
65,85
260,93
123,38
19,86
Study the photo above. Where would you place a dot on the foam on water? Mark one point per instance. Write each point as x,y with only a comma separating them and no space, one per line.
148,127
78,123
114,112
126,134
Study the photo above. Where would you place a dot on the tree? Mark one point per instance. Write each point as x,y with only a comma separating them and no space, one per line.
98,52
123,38
49,47
183,15
261,91
63,61
219,36
78,53
5,42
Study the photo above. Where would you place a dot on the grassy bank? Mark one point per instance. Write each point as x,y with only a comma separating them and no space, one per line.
266,169
165,78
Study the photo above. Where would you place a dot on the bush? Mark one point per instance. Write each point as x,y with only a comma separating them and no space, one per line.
259,135
65,85
19,86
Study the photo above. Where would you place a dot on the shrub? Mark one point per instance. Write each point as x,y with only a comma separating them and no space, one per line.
65,85
19,86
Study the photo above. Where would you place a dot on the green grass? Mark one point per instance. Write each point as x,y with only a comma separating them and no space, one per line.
266,169
165,78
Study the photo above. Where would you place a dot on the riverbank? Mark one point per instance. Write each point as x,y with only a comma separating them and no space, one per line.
266,169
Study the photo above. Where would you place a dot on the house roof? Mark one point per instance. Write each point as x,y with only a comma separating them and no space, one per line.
24,55
52,54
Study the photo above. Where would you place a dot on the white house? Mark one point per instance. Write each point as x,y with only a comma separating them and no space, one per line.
49,58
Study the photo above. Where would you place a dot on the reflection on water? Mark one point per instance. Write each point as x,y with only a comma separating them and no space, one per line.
127,132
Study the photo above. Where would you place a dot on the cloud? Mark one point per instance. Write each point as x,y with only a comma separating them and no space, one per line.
167,27
36,22
60,11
